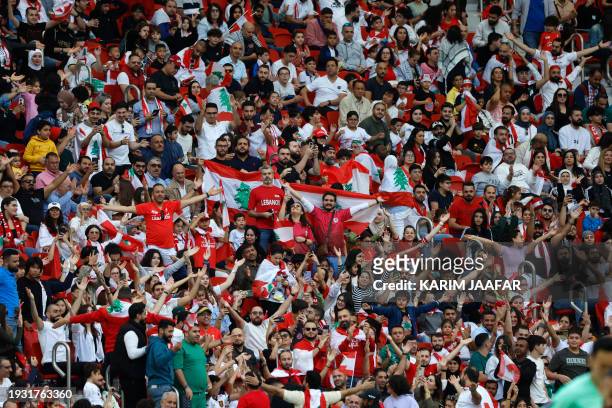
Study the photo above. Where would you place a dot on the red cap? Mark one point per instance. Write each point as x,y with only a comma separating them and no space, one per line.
94,105
176,60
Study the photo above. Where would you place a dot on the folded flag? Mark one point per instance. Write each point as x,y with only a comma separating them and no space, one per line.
353,176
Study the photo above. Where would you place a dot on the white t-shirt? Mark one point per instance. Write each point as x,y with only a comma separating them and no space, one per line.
278,64
255,336
48,336
579,139
465,398
297,9
92,392
236,238
6,383
537,390
117,131
298,399
186,142
284,91
166,309
207,138
94,147
327,90
347,136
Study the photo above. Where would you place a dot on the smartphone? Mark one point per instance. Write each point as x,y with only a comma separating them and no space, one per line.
155,112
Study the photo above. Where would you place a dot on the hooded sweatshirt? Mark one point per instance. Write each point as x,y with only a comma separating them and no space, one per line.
36,149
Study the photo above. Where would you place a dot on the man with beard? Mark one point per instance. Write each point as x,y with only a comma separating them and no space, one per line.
574,137
375,124
103,182
440,138
463,207
438,352
159,217
256,328
260,86
185,137
328,226
558,81
308,353
492,24
160,367
502,59
48,335
497,144
507,121
59,41
8,286
264,204
513,173
129,358
339,380
190,370
242,160
222,147
240,350
525,366
290,164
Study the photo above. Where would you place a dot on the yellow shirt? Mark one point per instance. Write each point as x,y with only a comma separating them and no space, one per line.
36,149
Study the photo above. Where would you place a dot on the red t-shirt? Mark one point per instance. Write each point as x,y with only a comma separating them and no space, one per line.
160,226
264,198
462,211
211,331
320,221
254,399
547,39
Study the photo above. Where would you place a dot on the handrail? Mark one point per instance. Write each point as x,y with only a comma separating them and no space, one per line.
57,368
429,225
573,48
178,397
126,93
80,65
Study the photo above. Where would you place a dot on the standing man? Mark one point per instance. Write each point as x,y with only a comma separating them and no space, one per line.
180,187
537,347
570,362
209,130
119,138
264,204
8,286
159,215
190,370
160,366
528,18
152,113
329,223
130,356
329,89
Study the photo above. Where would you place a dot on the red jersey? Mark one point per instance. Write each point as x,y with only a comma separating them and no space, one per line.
547,39
263,199
203,240
160,226
332,232
211,331
254,399
462,210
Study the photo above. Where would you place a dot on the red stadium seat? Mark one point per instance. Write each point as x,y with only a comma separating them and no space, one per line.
274,55
282,40
462,161
332,117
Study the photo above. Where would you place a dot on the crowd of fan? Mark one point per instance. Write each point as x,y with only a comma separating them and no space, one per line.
110,242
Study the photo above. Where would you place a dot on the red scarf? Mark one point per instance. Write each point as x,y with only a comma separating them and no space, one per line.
596,133
188,60
9,235
146,112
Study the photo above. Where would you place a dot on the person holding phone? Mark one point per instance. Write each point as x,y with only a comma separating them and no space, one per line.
152,113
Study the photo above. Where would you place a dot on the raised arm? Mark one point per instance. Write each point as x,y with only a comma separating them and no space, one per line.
186,202
520,44
59,180
35,316
119,208
589,51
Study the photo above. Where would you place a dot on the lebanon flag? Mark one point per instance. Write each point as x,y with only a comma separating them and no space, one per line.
103,221
469,113
266,273
314,399
345,199
221,97
132,178
236,185
507,369
61,9
353,176
347,367
247,16
184,107
283,232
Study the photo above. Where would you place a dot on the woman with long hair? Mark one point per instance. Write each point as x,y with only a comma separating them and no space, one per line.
416,143
399,392
138,37
416,121
302,231
53,234
87,338
449,17
455,55
498,77
479,225
185,36
12,224
433,168
560,108
402,44
570,162
235,11
501,350
385,54
538,159
605,165
212,19
362,292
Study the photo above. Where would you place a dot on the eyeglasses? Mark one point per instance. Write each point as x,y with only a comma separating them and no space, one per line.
310,329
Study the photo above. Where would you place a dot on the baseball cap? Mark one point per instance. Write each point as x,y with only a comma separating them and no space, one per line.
370,395
54,205
94,106
203,309
426,78
437,123
175,60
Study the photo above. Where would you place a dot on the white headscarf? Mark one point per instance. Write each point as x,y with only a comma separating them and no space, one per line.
388,174
31,64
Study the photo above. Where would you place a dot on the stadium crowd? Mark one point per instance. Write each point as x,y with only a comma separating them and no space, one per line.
193,195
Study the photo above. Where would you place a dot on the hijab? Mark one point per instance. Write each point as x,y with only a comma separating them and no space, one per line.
519,122
31,64
550,132
566,186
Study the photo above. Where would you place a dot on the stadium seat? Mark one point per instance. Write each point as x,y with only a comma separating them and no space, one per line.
462,161
332,117
282,40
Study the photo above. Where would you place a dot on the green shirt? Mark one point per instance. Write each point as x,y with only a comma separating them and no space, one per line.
579,393
192,360
478,361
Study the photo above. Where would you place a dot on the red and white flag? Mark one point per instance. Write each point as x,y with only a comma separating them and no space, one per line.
353,176
283,232
103,221
314,399
469,113
345,199
507,369
246,16
61,9
263,285
347,366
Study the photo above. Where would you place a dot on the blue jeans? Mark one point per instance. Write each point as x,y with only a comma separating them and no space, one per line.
531,39
333,262
266,237
156,392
